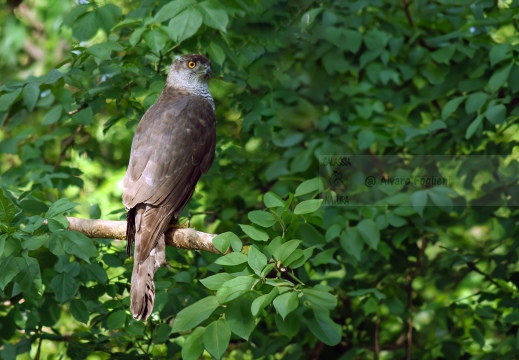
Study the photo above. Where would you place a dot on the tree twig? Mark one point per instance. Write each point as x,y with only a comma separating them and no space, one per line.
182,238
75,111
67,143
472,266
377,345
408,13
412,274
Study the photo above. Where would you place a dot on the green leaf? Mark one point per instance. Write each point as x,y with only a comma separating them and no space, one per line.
95,272
61,206
172,9
308,206
496,114
271,200
254,233
440,196
29,276
332,232
161,333
214,282
294,256
156,40
34,242
216,53
6,100
323,328
289,326
444,54
231,259
85,27
216,338
233,288
106,16
79,310
262,218
451,106
352,243
58,223
52,115
75,12
3,238
320,298
308,17
116,320
194,314
104,50
239,318
499,77
135,328
257,261
222,242
475,102
309,186
77,244
285,250
31,93
84,116
362,292
369,232
186,23
474,126
286,303
344,39
263,300
295,261
370,306
136,36
395,220
64,286
499,52
214,15
478,336
194,345
7,209
366,138
9,269
418,201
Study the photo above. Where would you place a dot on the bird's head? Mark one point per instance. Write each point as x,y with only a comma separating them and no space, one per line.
190,72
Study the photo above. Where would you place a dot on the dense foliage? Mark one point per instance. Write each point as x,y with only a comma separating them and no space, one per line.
416,272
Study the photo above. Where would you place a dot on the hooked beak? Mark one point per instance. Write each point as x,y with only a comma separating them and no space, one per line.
208,72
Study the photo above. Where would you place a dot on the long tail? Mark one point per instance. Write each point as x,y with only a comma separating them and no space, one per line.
142,293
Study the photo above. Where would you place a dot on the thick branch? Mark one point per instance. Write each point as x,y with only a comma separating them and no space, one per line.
183,238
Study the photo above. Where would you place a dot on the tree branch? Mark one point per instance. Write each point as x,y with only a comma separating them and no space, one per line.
182,238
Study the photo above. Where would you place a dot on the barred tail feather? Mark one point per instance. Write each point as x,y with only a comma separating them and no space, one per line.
142,293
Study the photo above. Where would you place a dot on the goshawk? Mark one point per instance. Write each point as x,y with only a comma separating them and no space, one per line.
173,146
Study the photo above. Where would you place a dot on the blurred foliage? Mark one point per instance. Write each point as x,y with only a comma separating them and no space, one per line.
292,81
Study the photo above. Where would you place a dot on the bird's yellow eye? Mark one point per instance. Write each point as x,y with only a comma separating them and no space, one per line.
191,64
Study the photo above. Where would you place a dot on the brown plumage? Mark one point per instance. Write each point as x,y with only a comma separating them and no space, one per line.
173,146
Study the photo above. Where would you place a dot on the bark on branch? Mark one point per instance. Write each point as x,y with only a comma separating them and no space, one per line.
182,238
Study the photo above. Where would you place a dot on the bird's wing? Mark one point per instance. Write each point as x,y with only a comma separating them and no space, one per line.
173,144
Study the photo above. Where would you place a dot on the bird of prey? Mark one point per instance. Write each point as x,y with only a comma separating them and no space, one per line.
173,146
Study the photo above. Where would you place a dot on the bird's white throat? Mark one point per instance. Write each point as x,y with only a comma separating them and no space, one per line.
194,86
